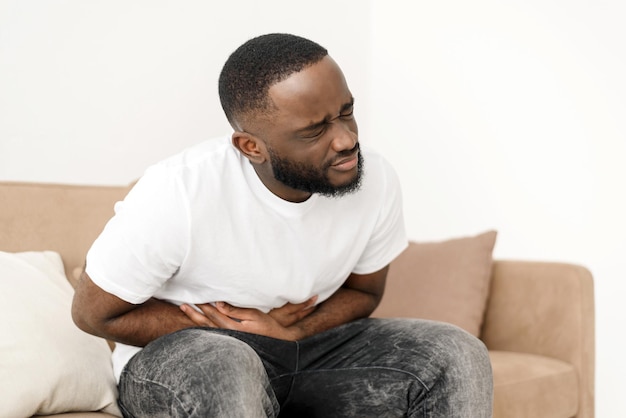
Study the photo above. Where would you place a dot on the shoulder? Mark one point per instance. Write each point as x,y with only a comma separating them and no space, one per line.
204,153
199,162
184,174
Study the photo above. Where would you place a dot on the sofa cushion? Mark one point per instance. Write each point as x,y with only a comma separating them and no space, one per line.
528,385
47,364
445,281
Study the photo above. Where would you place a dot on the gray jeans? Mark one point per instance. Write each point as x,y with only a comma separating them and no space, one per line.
366,368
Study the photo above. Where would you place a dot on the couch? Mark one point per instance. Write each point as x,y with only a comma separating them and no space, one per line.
536,318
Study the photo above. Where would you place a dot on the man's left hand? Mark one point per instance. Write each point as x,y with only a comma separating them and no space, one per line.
275,324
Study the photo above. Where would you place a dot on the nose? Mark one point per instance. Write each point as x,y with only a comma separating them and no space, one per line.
344,136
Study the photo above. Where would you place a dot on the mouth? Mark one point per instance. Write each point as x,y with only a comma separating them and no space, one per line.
347,163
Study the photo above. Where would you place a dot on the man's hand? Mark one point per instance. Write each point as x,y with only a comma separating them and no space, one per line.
357,298
275,324
290,313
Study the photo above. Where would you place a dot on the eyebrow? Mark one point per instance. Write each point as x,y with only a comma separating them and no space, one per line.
327,119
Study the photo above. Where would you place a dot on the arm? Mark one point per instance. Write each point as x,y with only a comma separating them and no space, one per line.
105,315
100,313
357,298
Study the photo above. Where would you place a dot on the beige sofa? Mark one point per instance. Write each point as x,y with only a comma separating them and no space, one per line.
536,318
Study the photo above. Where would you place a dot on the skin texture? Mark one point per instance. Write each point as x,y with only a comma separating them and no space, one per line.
311,125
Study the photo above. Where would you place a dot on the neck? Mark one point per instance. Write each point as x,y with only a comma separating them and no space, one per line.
264,171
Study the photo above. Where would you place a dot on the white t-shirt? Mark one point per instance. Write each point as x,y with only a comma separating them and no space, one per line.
201,227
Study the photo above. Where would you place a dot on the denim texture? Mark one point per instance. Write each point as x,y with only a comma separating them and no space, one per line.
366,368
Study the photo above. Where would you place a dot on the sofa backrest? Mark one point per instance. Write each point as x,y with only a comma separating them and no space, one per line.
61,218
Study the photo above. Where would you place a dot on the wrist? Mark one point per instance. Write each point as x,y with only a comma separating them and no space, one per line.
294,333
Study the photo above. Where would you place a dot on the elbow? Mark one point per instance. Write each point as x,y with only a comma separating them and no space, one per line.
79,316
89,312
84,319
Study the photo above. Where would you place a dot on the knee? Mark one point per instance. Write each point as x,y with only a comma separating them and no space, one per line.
462,341
451,365
438,339
211,354
198,370
180,357
466,375
234,357
463,354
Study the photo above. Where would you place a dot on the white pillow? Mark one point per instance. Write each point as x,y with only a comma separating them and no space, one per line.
47,365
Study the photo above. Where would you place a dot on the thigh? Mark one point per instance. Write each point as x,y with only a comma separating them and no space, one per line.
352,392
382,367
366,368
209,373
410,345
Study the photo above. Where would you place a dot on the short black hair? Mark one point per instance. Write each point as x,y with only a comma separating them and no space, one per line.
258,64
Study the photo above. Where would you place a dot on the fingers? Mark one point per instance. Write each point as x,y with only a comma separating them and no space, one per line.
304,305
209,316
225,315
302,313
198,318
292,308
237,314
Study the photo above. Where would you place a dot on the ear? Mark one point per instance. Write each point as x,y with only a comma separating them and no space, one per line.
252,147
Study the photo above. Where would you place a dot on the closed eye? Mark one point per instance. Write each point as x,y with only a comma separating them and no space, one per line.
315,133
347,110
348,113
318,129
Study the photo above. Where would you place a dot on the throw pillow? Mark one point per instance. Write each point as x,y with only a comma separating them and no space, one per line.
47,365
445,281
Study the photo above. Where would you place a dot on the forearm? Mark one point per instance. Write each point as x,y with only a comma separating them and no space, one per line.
145,323
105,315
343,306
357,298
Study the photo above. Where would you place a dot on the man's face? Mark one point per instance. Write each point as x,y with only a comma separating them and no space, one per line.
313,179
311,136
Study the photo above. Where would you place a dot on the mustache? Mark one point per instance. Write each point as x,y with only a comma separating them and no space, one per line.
344,154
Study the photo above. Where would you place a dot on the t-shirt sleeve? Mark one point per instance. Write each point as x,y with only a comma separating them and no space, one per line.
145,242
389,238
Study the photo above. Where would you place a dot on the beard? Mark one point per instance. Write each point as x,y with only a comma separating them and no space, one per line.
311,179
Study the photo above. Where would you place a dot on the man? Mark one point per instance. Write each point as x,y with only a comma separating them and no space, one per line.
246,267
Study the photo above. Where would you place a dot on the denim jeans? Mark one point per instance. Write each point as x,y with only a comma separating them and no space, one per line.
366,368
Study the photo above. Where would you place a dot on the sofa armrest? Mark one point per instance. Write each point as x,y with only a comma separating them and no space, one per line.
547,309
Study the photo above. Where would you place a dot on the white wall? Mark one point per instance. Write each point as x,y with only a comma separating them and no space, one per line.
496,116
94,91
512,115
